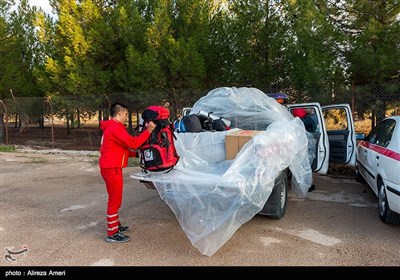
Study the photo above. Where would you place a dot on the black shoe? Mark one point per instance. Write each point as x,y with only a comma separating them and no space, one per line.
312,188
122,228
118,238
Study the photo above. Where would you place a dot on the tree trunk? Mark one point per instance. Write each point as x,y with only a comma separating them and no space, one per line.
379,107
4,124
51,120
130,129
41,122
1,129
380,110
68,126
100,116
372,119
78,118
105,114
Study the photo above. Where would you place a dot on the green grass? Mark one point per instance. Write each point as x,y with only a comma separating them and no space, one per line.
39,160
94,159
6,148
93,156
133,162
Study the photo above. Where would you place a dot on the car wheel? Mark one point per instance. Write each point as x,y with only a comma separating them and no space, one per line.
386,215
275,207
357,175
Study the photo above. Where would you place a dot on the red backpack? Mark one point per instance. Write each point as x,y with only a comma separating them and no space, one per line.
158,153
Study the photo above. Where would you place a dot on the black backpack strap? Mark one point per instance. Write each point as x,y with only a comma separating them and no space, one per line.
172,167
140,128
171,127
141,161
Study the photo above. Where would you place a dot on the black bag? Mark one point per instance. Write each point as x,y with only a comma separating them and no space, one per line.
192,123
219,125
206,122
210,122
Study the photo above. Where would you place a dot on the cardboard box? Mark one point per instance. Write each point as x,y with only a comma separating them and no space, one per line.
235,140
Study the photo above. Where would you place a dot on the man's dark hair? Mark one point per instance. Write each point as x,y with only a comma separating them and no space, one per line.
116,108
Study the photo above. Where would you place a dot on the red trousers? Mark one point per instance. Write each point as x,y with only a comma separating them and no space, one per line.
114,180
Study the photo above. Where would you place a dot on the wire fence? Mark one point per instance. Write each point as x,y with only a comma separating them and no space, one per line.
369,104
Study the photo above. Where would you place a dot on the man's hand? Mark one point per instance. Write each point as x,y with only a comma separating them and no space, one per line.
150,126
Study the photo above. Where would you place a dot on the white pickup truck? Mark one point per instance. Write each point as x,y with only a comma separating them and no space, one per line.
212,197
335,142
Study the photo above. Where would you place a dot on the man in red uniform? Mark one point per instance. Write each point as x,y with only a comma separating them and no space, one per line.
114,153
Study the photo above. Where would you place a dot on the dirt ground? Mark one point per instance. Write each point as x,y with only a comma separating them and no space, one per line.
53,206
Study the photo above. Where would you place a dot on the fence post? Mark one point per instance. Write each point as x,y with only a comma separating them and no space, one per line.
353,100
4,126
1,128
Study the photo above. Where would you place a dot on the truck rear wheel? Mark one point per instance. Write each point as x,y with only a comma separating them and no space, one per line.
275,207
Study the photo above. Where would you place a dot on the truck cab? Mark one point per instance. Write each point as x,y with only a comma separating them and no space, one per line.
335,135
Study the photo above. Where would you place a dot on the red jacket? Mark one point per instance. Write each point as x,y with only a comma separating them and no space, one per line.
116,142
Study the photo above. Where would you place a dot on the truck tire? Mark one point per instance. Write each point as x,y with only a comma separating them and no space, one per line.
275,207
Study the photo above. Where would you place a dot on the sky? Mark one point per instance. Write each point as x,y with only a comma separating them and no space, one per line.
44,4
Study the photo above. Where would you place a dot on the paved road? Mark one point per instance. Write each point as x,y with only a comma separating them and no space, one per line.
54,205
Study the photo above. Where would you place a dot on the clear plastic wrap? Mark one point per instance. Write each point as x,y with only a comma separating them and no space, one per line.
246,108
211,199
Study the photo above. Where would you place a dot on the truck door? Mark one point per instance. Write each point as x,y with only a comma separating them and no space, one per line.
321,161
341,134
